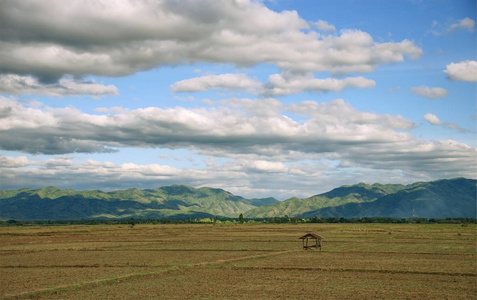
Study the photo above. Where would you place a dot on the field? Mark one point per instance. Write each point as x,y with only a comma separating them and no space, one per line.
358,261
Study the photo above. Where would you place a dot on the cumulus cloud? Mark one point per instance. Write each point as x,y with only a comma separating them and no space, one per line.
269,166
67,173
13,162
324,26
466,23
237,176
434,120
224,82
285,84
278,84
21,85
338,112
428,92
250,126
257,131
445,158
462,71
118,38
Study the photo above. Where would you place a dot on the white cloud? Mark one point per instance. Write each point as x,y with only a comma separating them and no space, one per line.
462,71
324,26
278,84
428,92
437,159
153,170
118,38
21,85
340,116
252,125
432,119
284,84
466,23
225,82
14,115
248,175
269,166
13,162
255,136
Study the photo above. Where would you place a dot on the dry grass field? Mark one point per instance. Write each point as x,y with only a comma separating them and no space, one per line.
358,261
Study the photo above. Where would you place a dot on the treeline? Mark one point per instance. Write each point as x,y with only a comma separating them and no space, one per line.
273,220
292,220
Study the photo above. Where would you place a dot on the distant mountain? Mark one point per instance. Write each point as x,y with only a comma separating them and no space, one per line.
177,201
455,198
343,195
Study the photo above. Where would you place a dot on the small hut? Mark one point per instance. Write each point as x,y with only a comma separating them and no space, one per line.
312,236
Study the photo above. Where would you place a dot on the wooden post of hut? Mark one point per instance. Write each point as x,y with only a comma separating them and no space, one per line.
312,236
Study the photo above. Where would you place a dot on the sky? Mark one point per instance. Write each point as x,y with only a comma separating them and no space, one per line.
274,98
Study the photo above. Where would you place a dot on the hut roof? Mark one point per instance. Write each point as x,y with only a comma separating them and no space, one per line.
312,236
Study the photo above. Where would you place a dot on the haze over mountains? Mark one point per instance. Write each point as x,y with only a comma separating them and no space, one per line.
454,198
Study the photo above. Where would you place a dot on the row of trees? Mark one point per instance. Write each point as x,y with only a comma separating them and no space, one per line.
240,220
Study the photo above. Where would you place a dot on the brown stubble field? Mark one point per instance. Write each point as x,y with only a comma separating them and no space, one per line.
227,261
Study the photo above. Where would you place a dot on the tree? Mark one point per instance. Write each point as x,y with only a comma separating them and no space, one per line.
241,218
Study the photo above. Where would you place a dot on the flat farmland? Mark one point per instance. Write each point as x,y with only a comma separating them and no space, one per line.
226,261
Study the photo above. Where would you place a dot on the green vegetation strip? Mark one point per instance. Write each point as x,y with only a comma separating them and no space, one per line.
122,278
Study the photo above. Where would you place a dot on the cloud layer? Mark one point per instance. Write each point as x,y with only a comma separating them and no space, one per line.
244,176
117,38
250,124
261,145
248,129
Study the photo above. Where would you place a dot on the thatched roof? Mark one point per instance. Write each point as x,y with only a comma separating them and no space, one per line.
311,235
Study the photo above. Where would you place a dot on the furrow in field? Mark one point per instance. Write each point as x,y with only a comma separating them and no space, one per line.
314,269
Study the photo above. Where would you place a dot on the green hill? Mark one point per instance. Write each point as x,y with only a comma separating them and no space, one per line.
438,199
177,201
453,198
346,194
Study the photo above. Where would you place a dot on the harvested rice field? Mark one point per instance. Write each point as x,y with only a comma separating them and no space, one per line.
227,261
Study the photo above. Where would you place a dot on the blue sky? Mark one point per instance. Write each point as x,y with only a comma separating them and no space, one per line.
261,98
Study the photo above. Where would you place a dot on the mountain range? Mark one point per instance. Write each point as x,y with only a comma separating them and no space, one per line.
452,198
449,198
